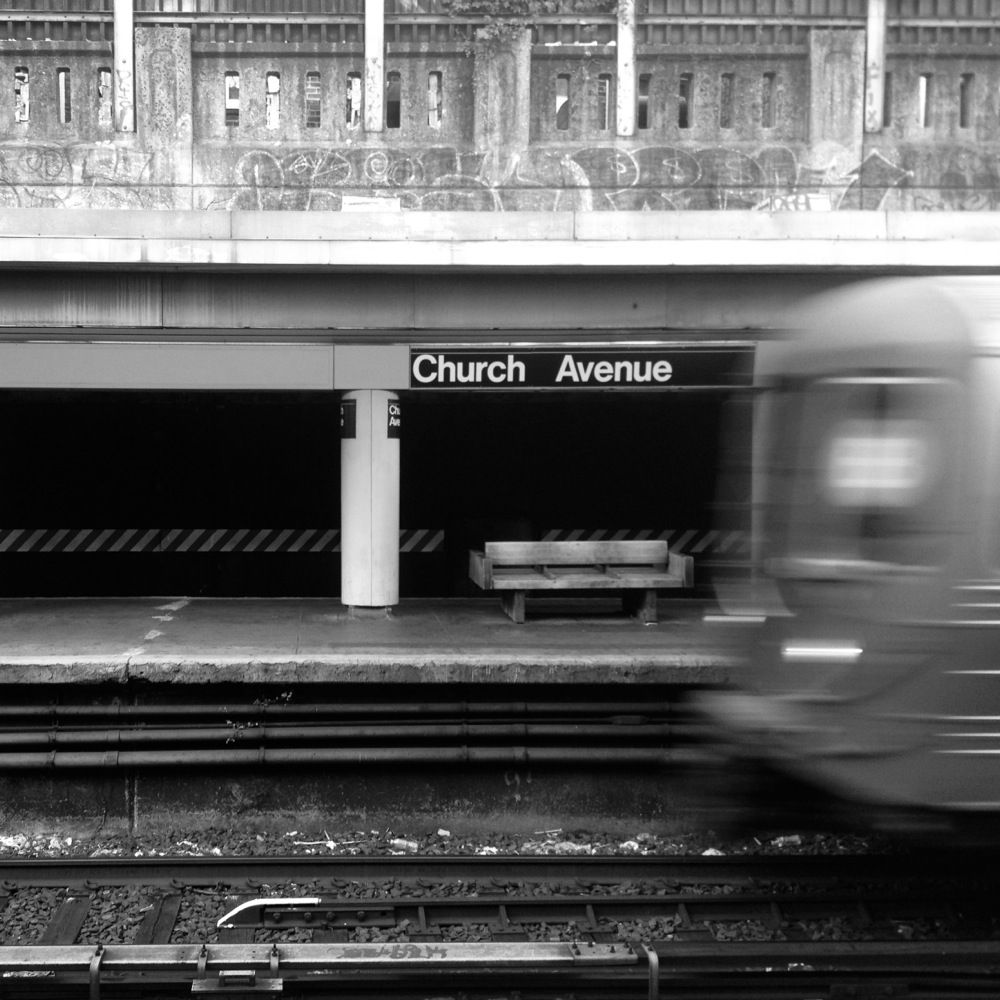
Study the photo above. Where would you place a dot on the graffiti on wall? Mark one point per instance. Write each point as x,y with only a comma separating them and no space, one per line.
590,178
541,178
77,176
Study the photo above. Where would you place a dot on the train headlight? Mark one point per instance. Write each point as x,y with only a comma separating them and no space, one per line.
820,652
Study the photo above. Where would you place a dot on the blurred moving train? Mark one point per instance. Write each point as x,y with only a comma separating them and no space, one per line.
876,490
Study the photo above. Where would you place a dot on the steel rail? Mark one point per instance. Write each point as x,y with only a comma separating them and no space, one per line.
498,870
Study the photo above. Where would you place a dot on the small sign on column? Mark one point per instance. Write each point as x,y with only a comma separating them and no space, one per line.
395,419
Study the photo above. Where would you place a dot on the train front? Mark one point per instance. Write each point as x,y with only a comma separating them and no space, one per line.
861,521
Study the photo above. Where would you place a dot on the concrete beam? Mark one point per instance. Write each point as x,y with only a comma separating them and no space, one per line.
875,65
626,96
124,55
643,241
374,65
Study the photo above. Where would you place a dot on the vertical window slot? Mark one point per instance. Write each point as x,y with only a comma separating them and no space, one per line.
232,85
685,100
435,99
63,88
104,117
965,100
924,100
767,114
886,100
393,100
604,102
353,100
22,104
642,116
272,106
727,86
562,102
313,101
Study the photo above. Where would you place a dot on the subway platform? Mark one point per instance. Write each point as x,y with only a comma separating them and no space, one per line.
164,640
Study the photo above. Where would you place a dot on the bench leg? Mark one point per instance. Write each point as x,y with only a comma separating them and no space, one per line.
641,604
513,605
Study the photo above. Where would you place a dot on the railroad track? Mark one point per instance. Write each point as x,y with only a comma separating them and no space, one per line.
302,925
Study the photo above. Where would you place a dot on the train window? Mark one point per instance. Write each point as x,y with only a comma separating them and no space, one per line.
22,104
864,469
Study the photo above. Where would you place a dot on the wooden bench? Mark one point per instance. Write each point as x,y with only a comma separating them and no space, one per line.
638,568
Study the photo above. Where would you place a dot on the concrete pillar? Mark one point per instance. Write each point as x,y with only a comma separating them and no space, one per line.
502,89
374,65
124,58
836,86
875,65
626,101
369,498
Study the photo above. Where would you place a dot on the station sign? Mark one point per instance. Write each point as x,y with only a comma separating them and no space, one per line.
581,368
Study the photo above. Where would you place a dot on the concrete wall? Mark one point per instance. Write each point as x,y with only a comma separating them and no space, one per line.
772,121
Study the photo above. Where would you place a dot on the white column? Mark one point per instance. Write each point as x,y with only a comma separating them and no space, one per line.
374,65
626,100
875,65
124,57
369,501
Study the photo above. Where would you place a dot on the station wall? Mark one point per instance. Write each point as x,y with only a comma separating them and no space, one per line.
731,114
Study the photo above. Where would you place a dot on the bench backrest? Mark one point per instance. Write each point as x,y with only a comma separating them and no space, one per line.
604,552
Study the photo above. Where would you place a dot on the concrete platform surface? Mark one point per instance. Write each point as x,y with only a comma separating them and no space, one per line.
204,640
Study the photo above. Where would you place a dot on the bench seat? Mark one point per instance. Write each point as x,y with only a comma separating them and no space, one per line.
636,568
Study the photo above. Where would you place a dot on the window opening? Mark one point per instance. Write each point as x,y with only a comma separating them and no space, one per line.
104,118
604,101
435,99
642,118
313,106
22,107
272,108
726,100
353,100
393,100
767,100
562,101
62,84
965,100
232,98
924,100
886,100
685,100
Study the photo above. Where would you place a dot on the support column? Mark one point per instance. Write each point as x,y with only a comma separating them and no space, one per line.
875,65
369,499
374,65
626,99
124,67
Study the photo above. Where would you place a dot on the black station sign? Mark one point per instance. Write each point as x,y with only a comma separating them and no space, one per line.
584,368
